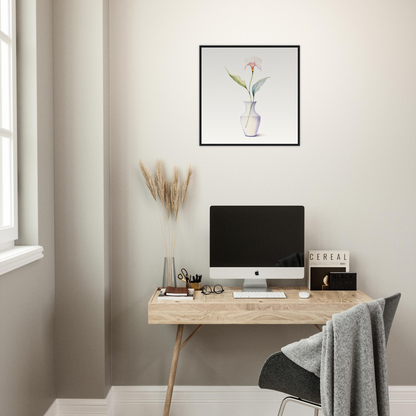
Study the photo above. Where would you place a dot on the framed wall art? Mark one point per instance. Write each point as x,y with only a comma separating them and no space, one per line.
249,95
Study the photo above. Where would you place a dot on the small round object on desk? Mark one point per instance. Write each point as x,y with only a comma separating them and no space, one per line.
304,295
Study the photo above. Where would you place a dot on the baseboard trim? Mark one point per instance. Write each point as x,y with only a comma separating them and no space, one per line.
202,400
402,394
86,407
192,394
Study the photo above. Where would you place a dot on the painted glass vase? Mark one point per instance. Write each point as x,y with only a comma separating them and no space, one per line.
250,120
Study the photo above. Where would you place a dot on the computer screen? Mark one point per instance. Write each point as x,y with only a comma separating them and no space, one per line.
256,242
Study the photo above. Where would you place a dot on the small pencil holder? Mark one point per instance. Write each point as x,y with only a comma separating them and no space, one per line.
195,286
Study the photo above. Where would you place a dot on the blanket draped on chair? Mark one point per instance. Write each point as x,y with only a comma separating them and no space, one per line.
349,356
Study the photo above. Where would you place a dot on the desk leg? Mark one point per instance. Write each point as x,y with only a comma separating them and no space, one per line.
173,368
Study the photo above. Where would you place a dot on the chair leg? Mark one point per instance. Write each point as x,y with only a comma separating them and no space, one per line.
300,401
283,405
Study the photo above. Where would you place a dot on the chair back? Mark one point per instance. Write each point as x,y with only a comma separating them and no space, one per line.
390,308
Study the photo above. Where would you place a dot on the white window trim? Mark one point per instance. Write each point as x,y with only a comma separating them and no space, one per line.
11,256
10,233
18,256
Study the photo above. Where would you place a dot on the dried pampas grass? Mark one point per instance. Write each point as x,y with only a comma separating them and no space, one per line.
148,179
166,197
174,193
170,198
160,180
186,183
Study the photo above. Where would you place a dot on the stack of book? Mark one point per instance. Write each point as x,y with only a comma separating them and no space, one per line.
176,293
322,263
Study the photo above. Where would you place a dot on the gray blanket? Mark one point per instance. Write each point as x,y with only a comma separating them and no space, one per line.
350,358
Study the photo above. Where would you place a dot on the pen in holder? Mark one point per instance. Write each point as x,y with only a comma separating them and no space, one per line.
192,282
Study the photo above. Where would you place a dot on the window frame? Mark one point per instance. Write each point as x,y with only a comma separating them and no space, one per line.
9,233
14,256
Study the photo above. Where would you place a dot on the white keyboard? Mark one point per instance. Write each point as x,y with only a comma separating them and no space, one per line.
259,295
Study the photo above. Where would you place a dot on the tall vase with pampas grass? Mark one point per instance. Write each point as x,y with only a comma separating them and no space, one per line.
167,205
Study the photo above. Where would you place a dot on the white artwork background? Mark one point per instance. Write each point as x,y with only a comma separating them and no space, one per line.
223,99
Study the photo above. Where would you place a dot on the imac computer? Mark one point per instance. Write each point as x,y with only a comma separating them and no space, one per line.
256,243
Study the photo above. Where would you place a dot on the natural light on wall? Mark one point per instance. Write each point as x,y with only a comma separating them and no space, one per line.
8,168
11,256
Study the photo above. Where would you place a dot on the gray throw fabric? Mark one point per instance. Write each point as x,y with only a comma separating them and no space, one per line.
350,357
306,353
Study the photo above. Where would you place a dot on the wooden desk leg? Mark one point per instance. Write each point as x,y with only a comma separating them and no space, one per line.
173,368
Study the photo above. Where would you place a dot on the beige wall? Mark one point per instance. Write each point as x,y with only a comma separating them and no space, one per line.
27,295
354,171
82,198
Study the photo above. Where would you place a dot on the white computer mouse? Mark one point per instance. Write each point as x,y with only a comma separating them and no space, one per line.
304,295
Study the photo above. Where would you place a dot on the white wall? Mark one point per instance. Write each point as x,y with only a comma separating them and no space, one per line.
354,170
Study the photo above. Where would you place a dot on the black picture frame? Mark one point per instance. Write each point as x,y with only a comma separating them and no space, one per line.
220,120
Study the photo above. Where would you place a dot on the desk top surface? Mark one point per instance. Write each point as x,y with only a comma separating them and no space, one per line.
218,309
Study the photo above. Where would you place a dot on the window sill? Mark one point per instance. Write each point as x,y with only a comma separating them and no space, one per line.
18,256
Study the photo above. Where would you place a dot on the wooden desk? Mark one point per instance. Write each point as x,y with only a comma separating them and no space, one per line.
223,309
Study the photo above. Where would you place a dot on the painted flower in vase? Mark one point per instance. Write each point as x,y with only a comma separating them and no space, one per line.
250,120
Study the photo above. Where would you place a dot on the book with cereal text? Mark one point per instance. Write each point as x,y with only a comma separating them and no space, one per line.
322,262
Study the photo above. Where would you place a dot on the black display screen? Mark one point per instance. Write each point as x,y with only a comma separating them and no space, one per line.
257,236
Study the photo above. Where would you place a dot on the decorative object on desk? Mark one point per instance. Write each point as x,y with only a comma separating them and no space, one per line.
194,282
184,275
169,270
193,285
322,262
176,291
342,281
191,281
221,122
189,295
325,285
217,289
171,199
